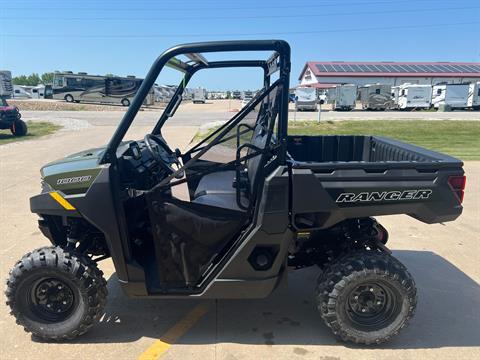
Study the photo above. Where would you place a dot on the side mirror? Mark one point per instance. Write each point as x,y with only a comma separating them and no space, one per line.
178,100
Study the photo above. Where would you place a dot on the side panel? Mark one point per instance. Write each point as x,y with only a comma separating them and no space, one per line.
321,200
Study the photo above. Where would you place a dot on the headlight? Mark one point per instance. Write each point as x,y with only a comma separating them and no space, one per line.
46,187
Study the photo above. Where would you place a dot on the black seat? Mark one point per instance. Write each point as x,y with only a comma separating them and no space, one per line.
216,189
217,182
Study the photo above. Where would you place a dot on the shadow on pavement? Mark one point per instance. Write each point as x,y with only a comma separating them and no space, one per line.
447,313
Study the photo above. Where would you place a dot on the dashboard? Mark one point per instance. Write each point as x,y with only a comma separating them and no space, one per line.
138,168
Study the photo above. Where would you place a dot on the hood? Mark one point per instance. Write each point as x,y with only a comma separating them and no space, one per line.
74,173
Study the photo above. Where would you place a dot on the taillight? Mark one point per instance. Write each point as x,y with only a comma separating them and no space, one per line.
457,184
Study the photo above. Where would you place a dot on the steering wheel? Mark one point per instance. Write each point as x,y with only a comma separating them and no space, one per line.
161,152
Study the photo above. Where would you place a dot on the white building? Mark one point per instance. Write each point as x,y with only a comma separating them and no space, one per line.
324,75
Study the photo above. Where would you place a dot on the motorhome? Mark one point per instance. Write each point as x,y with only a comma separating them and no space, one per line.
82,87
199,95
343,97
454,96
376,97
474,96
413,96
305,99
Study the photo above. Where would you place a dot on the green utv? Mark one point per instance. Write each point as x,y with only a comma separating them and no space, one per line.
260,202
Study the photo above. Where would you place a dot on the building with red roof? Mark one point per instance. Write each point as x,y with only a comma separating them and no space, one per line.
324,75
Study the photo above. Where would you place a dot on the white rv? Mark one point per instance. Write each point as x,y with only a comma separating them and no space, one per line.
395,95
343,97
453,95
38,92
376,97
199,95
305,99
21,92
474,96
412,96
6,87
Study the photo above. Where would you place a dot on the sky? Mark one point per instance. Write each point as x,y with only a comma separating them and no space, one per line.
124,37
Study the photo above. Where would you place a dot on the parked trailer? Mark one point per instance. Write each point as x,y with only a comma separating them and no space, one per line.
21,92
411,96
305,99
343,97
474,96
453,95
376,97
6,87
199,96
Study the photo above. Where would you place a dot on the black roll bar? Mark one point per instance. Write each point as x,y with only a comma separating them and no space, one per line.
279,46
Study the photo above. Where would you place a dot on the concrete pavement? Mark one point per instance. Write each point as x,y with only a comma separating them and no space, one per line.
443,258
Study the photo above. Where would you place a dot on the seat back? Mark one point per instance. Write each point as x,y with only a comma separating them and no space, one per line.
261,138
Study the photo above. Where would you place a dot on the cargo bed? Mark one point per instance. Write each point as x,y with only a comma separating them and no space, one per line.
335,177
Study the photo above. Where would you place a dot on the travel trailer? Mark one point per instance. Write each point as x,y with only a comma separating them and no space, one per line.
474,96
199,95
21,92
305,99
376,97
343,97
453,95
37,92
413,96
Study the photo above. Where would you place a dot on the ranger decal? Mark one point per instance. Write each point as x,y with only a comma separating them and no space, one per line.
384,196
73,180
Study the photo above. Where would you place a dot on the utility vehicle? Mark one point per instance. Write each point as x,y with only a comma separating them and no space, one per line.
260,203
10,117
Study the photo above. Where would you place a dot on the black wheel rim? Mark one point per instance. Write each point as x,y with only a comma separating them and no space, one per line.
373,306
51,300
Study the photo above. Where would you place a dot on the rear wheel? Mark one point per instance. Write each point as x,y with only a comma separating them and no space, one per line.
56,295
19,128
126,102
69,98
366,297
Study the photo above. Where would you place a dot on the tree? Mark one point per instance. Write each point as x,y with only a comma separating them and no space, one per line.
30,80
20,80
47,78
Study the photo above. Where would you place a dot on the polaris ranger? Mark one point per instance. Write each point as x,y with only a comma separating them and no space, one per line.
260,202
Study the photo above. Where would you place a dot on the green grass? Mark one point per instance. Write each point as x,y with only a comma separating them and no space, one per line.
35,130
460,138
456,138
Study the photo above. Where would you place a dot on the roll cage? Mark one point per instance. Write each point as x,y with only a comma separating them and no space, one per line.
278,61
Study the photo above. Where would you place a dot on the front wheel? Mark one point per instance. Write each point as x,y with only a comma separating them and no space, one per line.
366,297
55,294
19,128
126,102
69,98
